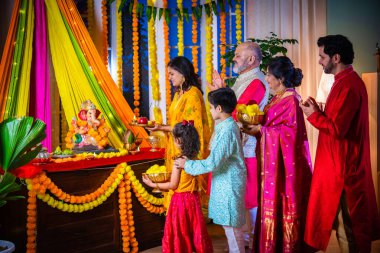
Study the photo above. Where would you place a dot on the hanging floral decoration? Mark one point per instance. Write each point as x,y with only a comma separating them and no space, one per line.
119,48
209,57
122,177
180,44
182,12
105,32
238,22
168,87
222,18
194,37
153,58
136,64
156,95
31,222
126,217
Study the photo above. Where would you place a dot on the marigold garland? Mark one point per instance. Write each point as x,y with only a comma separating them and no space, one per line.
31,222
119,47
136,64
105,32
168,87
153,57
194,38
180,44
122,177
238,23
126,216
41,183
87,156
209,64
223,42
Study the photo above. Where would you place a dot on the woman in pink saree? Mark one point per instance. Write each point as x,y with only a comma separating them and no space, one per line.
285,164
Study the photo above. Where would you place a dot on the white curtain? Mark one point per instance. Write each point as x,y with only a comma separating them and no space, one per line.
303,20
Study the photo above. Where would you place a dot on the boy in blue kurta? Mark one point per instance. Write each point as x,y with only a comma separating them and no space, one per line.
226,162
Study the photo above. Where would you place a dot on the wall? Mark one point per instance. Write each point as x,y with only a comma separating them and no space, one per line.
360,22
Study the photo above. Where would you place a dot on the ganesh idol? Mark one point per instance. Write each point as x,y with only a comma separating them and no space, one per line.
89,132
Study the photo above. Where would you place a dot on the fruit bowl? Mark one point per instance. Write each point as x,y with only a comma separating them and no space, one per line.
161,177
246,119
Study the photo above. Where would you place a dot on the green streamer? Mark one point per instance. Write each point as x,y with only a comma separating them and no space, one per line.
11,104
105,106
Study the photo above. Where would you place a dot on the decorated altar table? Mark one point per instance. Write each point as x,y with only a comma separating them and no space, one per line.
83,218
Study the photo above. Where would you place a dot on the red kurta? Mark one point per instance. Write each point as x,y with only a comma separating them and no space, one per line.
253,94
342,163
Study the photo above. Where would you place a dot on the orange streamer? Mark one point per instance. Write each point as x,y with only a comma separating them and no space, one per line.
7,57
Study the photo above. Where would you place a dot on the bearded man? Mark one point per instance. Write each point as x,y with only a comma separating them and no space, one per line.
342,193
250,88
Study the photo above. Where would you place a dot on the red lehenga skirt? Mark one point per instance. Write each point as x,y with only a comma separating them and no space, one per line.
185,229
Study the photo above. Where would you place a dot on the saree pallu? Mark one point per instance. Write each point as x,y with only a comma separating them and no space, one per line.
189,106
285,178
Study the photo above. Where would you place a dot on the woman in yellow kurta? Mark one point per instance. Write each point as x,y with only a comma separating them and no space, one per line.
187,104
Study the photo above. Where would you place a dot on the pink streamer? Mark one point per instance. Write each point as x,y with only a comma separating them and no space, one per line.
40,77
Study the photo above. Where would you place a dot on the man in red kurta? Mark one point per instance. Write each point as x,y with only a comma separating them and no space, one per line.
342,193
250,88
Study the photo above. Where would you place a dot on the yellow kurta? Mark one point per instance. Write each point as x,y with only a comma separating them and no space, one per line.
189,106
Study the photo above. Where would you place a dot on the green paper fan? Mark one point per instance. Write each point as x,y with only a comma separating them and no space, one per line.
20,140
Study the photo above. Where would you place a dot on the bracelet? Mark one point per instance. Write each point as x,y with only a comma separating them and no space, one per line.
157,186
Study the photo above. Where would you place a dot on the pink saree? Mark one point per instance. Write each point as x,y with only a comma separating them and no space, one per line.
284,178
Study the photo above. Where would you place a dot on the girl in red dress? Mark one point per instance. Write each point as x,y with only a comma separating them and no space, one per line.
185,229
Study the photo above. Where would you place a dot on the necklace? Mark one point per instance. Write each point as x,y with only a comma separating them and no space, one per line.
276,98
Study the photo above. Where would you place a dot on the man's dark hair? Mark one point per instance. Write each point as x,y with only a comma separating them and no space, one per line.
337,44
225,97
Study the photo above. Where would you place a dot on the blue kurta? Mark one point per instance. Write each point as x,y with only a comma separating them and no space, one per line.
226,162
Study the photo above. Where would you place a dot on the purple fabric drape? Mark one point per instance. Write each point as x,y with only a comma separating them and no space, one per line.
40,77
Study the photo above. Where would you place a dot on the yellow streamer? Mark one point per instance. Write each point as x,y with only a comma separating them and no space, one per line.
72,82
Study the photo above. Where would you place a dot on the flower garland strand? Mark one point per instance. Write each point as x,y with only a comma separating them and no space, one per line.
122,177
90,17
238,22
156,95
126,216
209,64
31,222
194,38
223,42
41,183
119,47
88,156
105,32
136,64
180,44
168,87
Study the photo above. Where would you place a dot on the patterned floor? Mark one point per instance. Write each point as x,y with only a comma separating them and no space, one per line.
219,242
